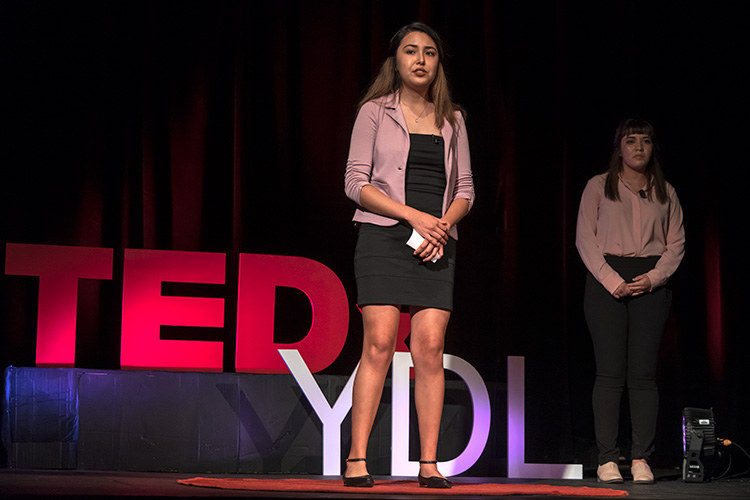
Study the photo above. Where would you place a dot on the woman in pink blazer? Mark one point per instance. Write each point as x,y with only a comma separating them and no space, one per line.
409,173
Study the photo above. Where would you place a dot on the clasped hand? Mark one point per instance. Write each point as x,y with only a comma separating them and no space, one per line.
435,234
640,285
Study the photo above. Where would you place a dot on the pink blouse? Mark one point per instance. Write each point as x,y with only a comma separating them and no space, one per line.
632,227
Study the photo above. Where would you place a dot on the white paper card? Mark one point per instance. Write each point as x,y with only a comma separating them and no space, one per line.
415,240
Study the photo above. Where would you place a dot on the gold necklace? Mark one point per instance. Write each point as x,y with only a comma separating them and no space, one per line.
416,120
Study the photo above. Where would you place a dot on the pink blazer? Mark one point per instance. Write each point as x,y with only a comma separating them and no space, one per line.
378,152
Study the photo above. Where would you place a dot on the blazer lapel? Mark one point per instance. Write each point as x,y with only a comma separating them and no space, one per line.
393,110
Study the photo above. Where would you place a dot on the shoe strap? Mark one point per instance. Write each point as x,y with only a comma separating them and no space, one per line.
428,461
356,460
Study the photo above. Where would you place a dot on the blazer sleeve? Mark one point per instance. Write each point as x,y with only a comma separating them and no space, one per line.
359,163
464,188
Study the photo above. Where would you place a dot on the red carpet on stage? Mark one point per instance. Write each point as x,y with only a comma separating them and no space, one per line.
399,487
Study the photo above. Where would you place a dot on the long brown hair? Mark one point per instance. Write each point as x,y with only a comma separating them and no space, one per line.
388,80
654,172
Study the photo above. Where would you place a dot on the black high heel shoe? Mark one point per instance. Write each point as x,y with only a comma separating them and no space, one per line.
433,481
358,481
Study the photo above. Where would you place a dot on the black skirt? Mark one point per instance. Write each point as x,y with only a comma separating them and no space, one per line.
386,270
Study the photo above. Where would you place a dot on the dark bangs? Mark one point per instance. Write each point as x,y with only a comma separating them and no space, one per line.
633,126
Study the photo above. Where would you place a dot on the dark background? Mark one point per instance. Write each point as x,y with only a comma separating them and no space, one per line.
224,126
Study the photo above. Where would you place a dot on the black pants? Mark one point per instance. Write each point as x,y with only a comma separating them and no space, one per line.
626,335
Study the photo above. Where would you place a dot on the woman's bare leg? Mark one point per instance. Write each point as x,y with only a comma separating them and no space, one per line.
380,324
426,343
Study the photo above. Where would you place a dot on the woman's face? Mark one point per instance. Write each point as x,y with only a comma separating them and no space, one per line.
636,151
417,61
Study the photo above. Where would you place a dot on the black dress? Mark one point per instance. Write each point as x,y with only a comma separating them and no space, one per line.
386,270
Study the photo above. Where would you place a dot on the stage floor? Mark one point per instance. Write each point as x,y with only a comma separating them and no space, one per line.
36,484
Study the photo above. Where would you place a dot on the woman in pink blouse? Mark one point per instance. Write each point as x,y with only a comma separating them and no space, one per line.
631,239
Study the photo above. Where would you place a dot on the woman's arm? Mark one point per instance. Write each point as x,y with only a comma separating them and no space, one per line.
359,163
674,242
464,188
432,229
457,211
587,244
